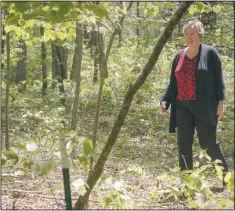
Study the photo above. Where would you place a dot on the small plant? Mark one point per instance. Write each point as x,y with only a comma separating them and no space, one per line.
190,186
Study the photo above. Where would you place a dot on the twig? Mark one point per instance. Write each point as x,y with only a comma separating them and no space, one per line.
22,191
106,26
39,195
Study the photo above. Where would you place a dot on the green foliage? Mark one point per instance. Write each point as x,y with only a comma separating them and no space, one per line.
191,185
43,168
116,197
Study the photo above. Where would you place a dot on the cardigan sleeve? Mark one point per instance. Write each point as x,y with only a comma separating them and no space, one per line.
219,78
167,97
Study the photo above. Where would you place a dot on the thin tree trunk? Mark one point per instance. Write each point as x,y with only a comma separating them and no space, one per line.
64,53
77,53
56,74
2,44
94,175
103,67
53,64
138,25
77,70
7,145
115,33
61,68
21,64
44,67
94,53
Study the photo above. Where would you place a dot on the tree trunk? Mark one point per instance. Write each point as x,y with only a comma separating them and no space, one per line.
115,33
94,175
64,52
53,64
60,68
77,53
94,53
21,64
138,15
2,44
103,70
77,70
44,67
7,145
56,74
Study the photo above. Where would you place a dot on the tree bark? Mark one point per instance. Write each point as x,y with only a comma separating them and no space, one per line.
7,145
137,28
103,70
115,33
2,44
77,70
56,70
53,64
61,69
94,53
21,64
94,175
44,67
77,52
64,52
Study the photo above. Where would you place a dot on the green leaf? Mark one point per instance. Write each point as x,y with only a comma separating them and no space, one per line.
9,28
191,10
21,146
199,6
84,160
57,187
43,168
3,160
10,154
60,35
229,179
46,8
80,186
101,11
88,148
219,172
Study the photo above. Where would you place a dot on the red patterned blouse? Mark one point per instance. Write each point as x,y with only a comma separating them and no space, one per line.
185,78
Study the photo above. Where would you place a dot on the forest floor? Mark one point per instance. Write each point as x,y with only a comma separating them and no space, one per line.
136,146
143,151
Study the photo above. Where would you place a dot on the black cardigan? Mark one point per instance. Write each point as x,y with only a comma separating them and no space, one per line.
209,86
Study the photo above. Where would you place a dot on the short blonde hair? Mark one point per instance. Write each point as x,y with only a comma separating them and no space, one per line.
198,25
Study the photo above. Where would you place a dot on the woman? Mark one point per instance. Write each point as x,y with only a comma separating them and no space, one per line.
196,94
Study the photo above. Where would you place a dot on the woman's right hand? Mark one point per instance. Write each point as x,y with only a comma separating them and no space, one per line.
163,109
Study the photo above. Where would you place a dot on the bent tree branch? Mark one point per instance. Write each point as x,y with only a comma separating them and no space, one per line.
82,202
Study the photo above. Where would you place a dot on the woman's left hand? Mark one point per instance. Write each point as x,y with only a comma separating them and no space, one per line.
220,109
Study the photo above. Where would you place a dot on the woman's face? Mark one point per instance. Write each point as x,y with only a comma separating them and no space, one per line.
191,36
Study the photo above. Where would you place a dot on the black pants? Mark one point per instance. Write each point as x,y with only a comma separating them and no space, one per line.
187,120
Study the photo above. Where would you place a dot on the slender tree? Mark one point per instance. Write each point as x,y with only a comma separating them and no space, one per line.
61,68
7,145
94,175
44,66
2,44
21,64
103,69
138,21
53,64
77,70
